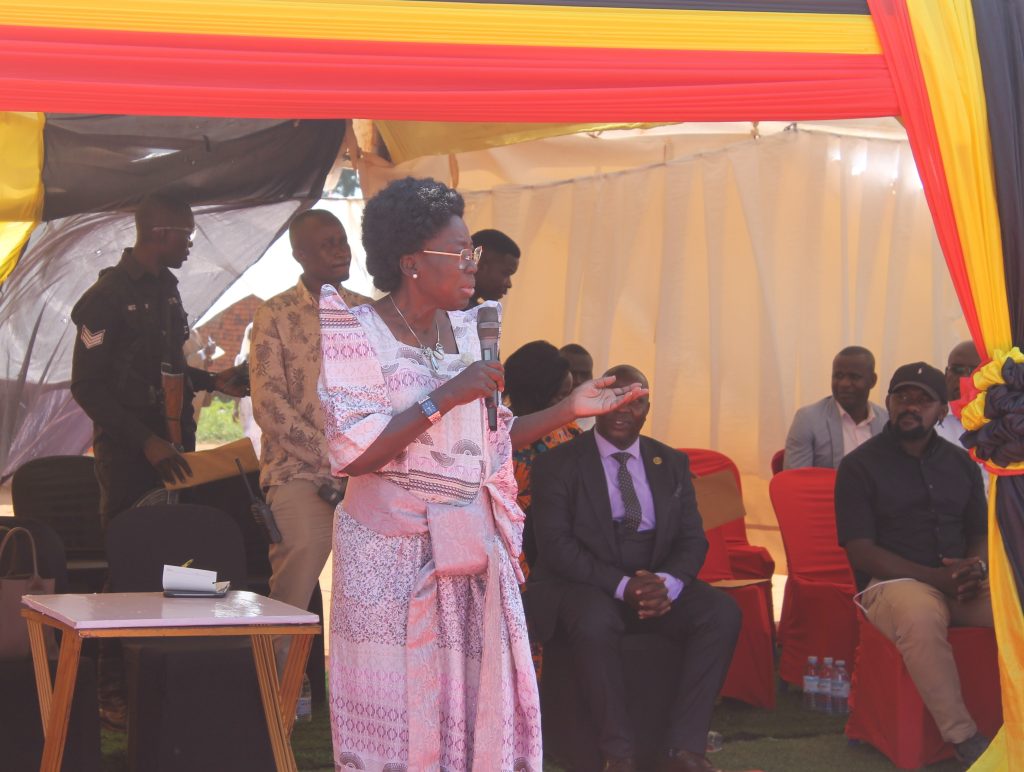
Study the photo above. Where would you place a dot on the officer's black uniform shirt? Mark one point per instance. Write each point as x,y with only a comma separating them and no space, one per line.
921,509
129,322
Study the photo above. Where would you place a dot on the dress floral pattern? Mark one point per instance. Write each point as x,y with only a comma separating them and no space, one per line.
430,660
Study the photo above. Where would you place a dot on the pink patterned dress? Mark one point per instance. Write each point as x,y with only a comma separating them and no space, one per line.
430,665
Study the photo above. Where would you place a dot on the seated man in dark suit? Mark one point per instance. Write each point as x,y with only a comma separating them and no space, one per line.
620,542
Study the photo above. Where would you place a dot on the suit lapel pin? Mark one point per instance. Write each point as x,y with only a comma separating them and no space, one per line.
657,460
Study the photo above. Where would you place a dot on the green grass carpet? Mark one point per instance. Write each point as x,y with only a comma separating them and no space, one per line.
787,739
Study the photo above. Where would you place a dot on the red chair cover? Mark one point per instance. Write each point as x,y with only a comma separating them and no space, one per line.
886,711
716,562
778,461
748,561
751,676
751,673
817,609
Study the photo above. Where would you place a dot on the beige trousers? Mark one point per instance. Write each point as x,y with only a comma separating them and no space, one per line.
305,521
915,616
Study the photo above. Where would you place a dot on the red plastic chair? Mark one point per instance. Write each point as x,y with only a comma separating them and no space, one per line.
778,461
818,616
748,561
886,711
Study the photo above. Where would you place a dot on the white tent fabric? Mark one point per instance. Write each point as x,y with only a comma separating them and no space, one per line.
730,277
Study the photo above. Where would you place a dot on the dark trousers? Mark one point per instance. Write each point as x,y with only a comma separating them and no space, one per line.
124,476
703,623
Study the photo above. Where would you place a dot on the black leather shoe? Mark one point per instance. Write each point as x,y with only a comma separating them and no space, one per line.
617,764
684,761
971,749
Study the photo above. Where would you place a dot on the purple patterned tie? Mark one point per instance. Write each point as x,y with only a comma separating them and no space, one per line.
630,501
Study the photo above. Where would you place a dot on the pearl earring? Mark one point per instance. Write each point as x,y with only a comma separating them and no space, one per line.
415,275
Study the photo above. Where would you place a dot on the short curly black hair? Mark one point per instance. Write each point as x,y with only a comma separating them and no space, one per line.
399,220
533,375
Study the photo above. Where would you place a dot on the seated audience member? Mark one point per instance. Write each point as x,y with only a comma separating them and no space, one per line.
962,361
536,377
581,365
911,514
498,263
825,431
620,543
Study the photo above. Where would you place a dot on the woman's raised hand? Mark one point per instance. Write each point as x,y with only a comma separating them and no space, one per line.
480,379
601,395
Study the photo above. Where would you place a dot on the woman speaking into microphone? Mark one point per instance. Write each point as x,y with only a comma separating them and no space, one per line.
430,663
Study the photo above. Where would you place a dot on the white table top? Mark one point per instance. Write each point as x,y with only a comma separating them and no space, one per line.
100,611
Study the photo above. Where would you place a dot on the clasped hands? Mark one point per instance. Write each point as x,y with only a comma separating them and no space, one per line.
962,578
647,594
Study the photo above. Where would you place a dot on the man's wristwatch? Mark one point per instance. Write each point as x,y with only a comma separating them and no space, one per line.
430,410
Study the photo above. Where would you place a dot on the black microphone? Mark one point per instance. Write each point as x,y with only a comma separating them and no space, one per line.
488,329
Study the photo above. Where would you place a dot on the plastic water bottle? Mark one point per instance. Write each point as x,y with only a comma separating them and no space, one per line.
823,698
840,689
304,708
810,683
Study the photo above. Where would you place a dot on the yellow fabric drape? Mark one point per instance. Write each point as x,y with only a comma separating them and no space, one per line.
944,33
946,42
407,140
1004,752
419,21
21,183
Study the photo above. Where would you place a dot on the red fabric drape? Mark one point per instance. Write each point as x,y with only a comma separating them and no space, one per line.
894,30
90,71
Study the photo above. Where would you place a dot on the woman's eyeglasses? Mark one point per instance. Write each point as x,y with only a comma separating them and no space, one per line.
467,257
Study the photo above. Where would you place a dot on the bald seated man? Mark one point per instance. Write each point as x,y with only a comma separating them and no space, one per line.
285,366
962,361
620,543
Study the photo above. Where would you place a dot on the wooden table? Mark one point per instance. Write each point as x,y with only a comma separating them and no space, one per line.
151,615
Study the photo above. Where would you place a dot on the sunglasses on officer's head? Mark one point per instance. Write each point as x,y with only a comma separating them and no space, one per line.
190,232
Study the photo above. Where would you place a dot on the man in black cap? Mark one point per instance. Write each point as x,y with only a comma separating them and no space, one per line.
911,513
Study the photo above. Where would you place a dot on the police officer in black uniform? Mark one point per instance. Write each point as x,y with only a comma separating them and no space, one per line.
131,325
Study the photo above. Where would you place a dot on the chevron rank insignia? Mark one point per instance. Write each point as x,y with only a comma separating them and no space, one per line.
92,339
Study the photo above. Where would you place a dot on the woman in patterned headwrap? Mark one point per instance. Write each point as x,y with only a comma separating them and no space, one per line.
430,661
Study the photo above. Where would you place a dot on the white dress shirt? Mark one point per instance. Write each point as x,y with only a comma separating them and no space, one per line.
855,434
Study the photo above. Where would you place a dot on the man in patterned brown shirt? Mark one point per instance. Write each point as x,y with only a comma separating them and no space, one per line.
285,368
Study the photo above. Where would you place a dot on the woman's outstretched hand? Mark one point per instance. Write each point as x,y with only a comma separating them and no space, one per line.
601,395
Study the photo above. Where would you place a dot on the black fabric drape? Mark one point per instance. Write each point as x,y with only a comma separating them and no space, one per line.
999,26
1000,31
107,163
245,180
1009,506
